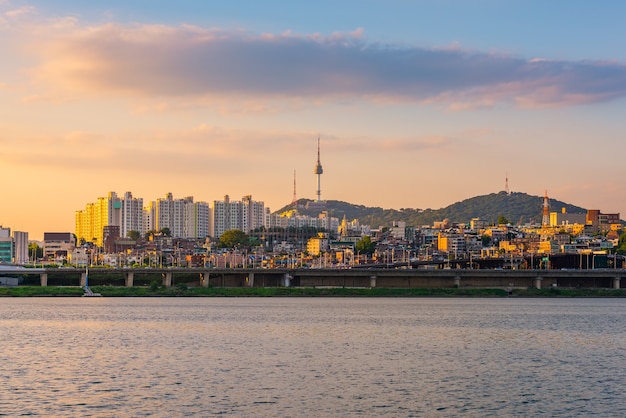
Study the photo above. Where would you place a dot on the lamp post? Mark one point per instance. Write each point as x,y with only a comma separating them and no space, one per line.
593,262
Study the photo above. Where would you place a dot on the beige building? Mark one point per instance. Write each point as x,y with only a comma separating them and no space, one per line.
58,246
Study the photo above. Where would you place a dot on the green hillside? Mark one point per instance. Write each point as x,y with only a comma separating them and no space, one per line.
518,208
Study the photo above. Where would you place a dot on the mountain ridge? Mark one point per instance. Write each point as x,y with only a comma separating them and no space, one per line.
516,207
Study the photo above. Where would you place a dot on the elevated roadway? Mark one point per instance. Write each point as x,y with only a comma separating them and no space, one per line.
362,277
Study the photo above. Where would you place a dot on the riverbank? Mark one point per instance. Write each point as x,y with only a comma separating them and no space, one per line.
182,291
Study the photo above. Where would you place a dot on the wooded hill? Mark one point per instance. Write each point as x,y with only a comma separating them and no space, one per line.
517,208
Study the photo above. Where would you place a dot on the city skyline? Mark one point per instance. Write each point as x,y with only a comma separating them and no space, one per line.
416,104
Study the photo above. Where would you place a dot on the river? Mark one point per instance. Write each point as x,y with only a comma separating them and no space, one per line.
322,357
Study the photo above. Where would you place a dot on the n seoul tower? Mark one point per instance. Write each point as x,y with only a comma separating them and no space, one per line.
318,170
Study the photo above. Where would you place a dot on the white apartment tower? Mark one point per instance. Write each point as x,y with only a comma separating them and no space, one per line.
253,214
183,217
20,239
131,215
221,221
245,215
162,213
197,219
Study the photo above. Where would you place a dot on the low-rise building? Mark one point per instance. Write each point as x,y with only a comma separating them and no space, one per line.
58,245
6,245
317,245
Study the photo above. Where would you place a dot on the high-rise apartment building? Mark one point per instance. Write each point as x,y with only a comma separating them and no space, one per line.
197,220
253,214
221,220
183,217
131,215
166,213
245,215
126,212
20,242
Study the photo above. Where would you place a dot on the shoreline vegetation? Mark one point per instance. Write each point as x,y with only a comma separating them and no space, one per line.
184,291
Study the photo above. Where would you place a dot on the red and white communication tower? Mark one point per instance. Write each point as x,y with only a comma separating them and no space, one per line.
294,200
545,219
546,232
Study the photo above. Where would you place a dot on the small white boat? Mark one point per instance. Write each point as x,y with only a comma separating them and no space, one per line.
89,294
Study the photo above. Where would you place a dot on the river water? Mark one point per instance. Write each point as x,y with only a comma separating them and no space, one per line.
317,357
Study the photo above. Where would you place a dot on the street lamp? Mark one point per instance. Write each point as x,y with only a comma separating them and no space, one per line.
593,261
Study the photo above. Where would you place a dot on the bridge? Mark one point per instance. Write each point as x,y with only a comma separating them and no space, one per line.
305,277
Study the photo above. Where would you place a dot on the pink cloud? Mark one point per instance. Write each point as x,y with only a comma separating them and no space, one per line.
21,12
187,64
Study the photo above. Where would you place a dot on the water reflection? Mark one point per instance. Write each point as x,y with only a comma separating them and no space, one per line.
312,356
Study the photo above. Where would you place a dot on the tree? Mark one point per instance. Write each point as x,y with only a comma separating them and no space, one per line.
36,250
134,235
621,244
365,245
502,220
233,238
166,232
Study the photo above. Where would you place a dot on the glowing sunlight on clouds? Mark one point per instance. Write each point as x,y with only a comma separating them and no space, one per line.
208,65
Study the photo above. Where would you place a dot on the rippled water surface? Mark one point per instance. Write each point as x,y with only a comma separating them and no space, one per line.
312,357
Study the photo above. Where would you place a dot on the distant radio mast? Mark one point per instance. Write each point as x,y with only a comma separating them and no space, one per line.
318,171
294,201
506,184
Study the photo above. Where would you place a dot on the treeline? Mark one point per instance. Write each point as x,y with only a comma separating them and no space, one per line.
517,208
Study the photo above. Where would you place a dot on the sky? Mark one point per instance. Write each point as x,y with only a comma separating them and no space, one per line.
417,104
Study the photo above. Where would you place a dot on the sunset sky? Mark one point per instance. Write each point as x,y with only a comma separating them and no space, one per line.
417,104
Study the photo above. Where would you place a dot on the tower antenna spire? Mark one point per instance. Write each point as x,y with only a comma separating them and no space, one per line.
318,171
